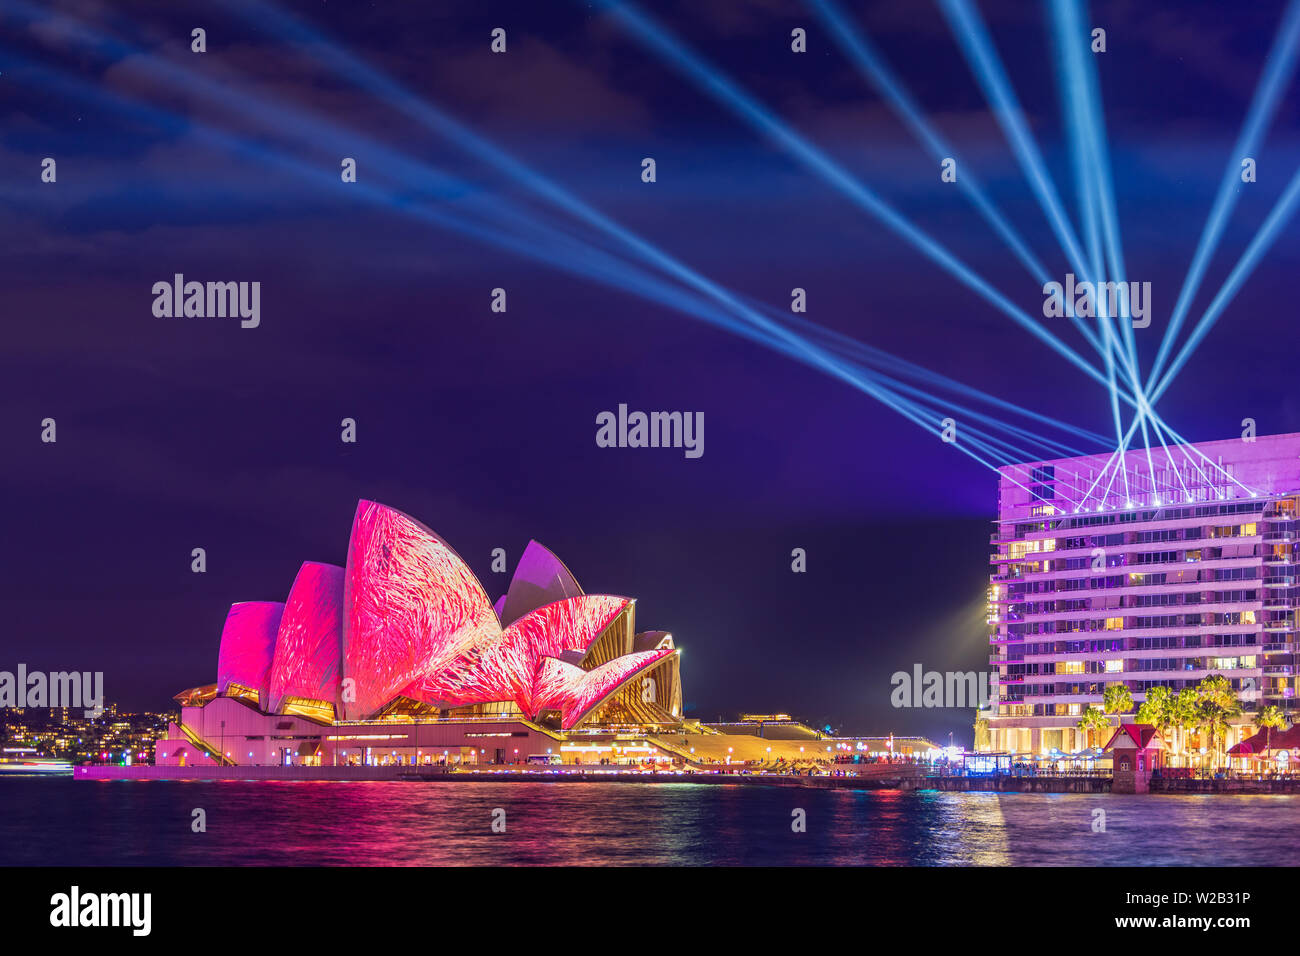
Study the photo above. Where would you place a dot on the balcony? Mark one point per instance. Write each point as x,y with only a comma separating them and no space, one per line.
1280,582
1279,627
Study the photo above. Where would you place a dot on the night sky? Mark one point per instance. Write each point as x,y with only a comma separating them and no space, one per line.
178,433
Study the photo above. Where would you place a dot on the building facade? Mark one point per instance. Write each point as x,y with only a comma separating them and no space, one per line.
1146,569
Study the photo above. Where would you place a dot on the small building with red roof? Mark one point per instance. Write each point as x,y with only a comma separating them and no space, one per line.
1137,751
1268,742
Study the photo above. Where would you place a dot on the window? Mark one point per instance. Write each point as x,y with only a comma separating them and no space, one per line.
1018,549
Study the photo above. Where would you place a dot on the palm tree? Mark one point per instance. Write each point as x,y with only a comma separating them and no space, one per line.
1218,704
981,728
1185,714
1269,716
1093,720
1117,699
1158,709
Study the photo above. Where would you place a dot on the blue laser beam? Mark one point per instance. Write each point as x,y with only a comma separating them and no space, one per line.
428,115
1268,233
1273,82
728,94
973,39
524,242
420,110
873,66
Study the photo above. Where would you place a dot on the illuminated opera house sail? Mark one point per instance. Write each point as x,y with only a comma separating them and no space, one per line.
404,646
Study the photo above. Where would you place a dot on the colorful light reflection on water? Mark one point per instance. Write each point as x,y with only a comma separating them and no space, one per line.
66,822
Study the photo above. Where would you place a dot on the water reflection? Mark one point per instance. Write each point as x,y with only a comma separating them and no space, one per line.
408,824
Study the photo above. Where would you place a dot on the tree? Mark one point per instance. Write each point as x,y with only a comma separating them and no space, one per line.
1157,709
1266,717
1217,705
1093,720
1270,716
1117,699
982,739
1185,714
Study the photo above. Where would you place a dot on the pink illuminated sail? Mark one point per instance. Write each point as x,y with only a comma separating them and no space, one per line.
248,646
575,692
309,644
411,606
540,578
508,667
407,618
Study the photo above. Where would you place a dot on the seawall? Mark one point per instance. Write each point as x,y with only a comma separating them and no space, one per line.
899,779
1011,783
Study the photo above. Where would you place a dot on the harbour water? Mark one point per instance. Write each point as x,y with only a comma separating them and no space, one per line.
80,823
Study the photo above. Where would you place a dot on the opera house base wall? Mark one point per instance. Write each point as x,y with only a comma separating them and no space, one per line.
230,727
878,777
227,733
211,771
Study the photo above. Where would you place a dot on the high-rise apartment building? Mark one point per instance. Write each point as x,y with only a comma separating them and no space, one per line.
1144,570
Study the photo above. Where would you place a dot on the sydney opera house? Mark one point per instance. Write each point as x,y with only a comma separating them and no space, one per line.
402,658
